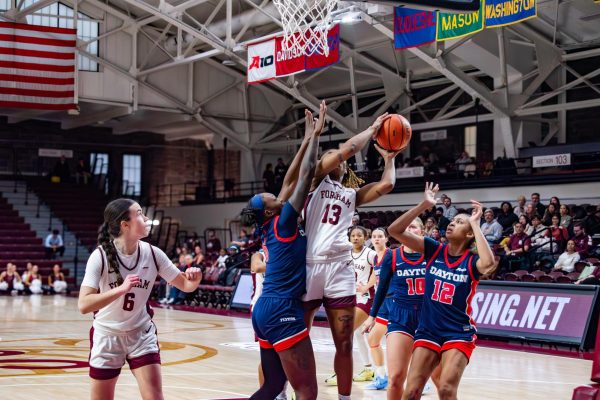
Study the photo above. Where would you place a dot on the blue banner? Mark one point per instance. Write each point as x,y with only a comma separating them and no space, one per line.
413,28
507,12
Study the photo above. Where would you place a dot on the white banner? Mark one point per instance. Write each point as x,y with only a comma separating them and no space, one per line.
434,135
410,172
57,153
261,61
554,160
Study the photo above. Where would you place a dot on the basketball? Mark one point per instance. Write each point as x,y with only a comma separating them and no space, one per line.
394,134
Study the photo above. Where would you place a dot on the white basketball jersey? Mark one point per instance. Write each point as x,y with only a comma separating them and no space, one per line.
328,215
259,278
128,312
363,265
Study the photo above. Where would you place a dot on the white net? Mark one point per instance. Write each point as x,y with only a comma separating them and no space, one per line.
305,25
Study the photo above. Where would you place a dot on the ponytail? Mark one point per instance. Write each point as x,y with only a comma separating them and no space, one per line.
351,180
115,212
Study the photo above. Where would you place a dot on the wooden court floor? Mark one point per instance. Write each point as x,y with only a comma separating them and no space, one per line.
44,348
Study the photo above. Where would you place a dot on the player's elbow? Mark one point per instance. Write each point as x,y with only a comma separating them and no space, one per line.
386,187
83,307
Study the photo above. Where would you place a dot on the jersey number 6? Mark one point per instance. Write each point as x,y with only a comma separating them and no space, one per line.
128,303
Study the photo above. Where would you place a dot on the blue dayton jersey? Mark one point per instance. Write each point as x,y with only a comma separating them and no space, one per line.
450,285
402,277
284,244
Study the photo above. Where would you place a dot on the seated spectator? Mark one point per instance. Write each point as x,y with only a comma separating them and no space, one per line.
530,211
436,235
565,216
56,280
355,219
518,244
221,261
449,211
54,245
539,207
242,240
82,172
62,170
462,162
213,244
589,276
175,295
559,235
506,216
539,229
526,222
566,261
430,212
491,229
33,283
429,225
554,200
10,281
551,211
442,221
198,260
520,208
583,241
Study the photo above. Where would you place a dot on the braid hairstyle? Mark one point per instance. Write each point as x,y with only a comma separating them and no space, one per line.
351,180
115,212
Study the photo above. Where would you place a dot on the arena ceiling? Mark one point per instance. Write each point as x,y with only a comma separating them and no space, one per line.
184,62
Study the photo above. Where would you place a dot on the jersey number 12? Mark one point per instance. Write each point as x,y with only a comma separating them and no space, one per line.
446,294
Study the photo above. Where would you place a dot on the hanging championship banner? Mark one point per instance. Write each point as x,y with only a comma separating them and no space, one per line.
413,28
455,25
267,60
507,12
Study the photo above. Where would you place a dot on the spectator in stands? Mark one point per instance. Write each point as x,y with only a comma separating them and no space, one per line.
491,229
62,170
530,211
10,281
221,261
213,244
565,216
280,170
355,219
56,280
566,261
551,211
521,206
430,212
539,207
559,235
526,222
429,225
583,241
556,201
506,216
198,260
54,245
269,178
589,276
242,240
449,210
518,244
462,162
176,296
436,235
82,172
33,283
442,222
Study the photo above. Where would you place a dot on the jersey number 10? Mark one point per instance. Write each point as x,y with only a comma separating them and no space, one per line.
334,217
415,286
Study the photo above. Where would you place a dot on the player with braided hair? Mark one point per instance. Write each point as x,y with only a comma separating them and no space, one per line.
119,278
330,271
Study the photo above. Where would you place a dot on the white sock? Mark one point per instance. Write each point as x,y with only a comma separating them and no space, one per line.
380,371
342,397
363,349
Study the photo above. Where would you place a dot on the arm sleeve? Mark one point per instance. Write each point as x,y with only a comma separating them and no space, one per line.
46,244
166,269
93,270
431,246
384,284
288,221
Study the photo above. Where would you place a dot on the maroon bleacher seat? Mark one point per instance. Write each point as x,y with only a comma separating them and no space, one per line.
511,277
563,279
545,279
520,273
556,274
537,274
573,276
587,392
528,278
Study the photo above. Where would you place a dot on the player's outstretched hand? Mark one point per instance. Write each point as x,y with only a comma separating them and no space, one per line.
309,123
368,325
129,282
431,191
193,274
377,123
475,217
320,123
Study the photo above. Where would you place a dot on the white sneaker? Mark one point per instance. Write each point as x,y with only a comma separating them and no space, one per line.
171,301
163,300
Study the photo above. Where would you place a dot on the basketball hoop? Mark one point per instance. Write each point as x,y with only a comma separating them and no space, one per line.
305,25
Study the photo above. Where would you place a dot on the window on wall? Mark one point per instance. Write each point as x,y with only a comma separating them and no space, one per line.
61,16
99,163
132,174
471,140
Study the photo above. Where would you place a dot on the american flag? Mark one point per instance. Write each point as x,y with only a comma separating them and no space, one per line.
37,66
